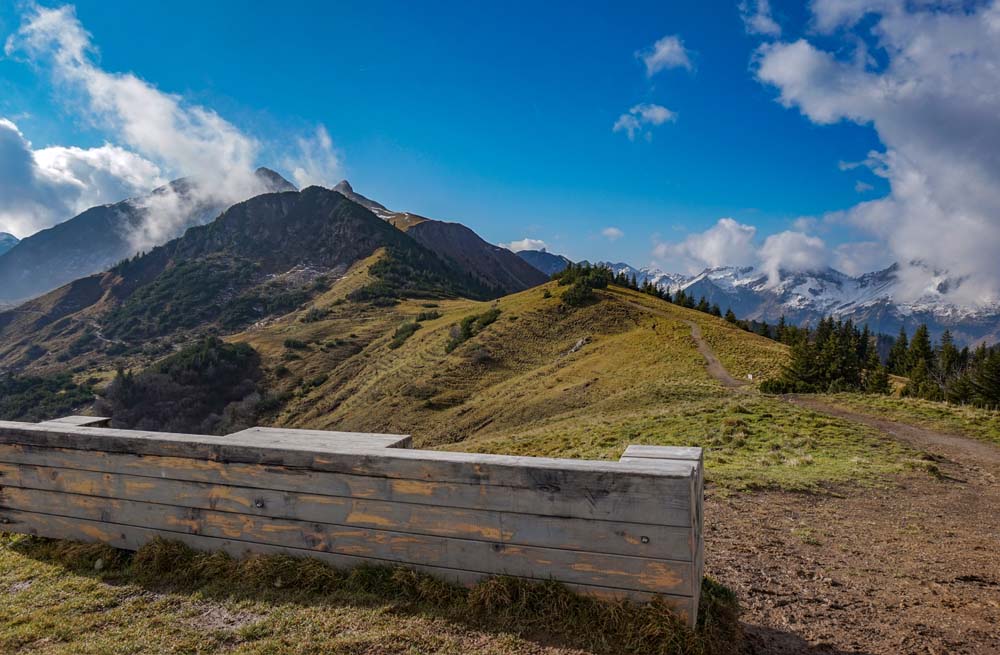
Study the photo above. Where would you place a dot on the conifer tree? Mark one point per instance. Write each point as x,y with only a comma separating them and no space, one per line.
730,316
897,360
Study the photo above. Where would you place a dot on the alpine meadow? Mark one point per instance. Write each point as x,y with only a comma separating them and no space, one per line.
672,330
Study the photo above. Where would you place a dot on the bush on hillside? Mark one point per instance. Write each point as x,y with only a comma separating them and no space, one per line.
470,327
32,399
211,387
403,332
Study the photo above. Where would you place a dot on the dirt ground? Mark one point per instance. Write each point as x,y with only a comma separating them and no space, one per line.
909,569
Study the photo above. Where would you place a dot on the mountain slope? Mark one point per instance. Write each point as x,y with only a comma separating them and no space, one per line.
262,257
491,265
7,241
104,235
545,261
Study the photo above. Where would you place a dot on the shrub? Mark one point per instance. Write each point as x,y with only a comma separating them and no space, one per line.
403,332
471,326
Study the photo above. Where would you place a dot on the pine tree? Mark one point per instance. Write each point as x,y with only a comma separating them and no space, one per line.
703,305
716,311
730,316
986,381
921,349
876,375
897,362
780,330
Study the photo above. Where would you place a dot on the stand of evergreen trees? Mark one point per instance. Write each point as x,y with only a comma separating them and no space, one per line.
943,372
836,356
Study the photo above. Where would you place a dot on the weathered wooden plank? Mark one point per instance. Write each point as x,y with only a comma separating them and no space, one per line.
682,453
666,504
636,453
305,451
79,421
580,567
611,537
132,538
276,435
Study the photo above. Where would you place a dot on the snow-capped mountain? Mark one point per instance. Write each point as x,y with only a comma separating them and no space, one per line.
874,299
803,297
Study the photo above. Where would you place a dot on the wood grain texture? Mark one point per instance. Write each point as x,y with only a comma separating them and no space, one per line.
638,503
630,528
609,537
130,537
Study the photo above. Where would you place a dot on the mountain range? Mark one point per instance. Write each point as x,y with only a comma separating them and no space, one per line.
259,259
803,297
104,235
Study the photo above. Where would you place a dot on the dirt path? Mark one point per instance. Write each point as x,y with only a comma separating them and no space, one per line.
913,568
952,446
715,367
909,567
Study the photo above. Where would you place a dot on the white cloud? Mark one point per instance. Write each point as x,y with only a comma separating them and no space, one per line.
727,243
862,187
792,251
757,18
316,162
162,129
861,257
932,100
39,188
641,115
525,244
612,233
668,52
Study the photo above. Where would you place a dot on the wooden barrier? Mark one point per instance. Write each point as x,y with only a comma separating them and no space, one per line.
613,529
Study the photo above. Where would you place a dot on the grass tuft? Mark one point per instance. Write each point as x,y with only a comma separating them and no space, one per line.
545,612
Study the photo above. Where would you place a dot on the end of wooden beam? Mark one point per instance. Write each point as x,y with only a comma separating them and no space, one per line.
677,453
80,421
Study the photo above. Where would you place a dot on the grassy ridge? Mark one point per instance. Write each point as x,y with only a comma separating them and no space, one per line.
545,379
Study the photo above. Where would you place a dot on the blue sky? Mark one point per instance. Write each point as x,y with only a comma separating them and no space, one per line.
498,115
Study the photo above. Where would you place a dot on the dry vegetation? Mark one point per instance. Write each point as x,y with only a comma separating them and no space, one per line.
81,599
544,379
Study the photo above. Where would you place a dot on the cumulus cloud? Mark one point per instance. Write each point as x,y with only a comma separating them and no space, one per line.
727,243
792,252
668,52
931,97
169,134
42,187
612,233
757,18
638,117
525,244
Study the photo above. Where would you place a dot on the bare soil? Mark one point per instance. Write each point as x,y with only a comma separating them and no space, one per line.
913,568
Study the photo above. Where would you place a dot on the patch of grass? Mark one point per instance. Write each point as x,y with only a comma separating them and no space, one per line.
983,424
750,442
168,598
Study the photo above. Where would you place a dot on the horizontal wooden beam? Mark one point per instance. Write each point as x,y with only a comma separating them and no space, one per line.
608,537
